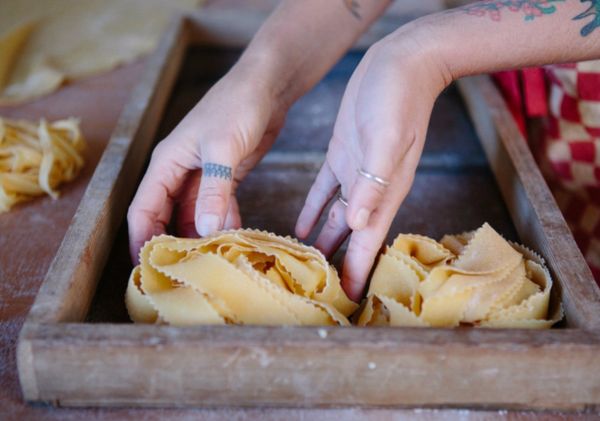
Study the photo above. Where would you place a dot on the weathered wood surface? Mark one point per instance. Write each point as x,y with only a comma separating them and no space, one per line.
32,232
101,364
63,297
114,365
19,292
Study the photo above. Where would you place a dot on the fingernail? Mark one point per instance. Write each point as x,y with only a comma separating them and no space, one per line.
362,218
208,223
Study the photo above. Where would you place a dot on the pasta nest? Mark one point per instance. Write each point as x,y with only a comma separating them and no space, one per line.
36,158
253,277
241,277
476,278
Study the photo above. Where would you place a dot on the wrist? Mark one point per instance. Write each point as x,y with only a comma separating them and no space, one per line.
416,46
261,68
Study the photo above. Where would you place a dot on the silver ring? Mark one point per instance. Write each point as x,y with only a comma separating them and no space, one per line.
341,199
373,177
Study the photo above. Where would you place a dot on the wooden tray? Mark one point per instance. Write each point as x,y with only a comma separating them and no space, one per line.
75,348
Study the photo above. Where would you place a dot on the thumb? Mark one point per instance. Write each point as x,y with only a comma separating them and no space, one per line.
213,196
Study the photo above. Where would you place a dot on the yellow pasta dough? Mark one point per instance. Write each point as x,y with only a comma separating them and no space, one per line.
253,277
241,277
44,44
35,158
476,278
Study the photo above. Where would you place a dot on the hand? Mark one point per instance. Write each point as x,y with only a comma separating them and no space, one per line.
226,133
380,129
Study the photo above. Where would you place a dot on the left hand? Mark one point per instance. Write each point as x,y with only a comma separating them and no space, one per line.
380,129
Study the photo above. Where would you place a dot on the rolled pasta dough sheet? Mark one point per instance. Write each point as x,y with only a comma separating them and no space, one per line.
44,44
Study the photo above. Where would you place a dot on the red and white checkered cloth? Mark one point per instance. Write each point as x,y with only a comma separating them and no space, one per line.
571,153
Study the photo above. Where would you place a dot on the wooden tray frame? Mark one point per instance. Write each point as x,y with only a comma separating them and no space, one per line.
63,361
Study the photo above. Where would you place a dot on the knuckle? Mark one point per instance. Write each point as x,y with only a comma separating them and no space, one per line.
212,198
162,174
373,190
365,250
353,282
368,195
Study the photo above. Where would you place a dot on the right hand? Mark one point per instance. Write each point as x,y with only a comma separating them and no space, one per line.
233,126
380,129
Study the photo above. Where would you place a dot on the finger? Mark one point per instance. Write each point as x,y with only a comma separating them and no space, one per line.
365,244
334,231
367,192
321,192
215,191
186,226
233,219
150,210
362,250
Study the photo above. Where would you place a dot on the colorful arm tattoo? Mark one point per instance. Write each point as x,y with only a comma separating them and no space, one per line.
530,8
533,9
593,10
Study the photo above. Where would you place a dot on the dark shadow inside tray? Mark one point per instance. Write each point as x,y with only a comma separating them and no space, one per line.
454,190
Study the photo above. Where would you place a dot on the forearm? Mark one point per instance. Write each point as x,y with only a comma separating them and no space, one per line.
302,40
500,35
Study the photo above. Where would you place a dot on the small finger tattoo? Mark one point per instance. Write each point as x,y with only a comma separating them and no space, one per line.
210,169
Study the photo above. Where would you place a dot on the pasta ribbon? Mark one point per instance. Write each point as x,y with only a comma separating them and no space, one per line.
237,277
476,279
36,158
253,277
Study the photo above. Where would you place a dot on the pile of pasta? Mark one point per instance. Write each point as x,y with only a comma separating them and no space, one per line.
237,277
477,279
253,277
35,158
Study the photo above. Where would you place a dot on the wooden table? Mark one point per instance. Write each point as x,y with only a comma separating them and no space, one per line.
31,234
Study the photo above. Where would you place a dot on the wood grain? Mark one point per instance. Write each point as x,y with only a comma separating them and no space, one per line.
278,366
